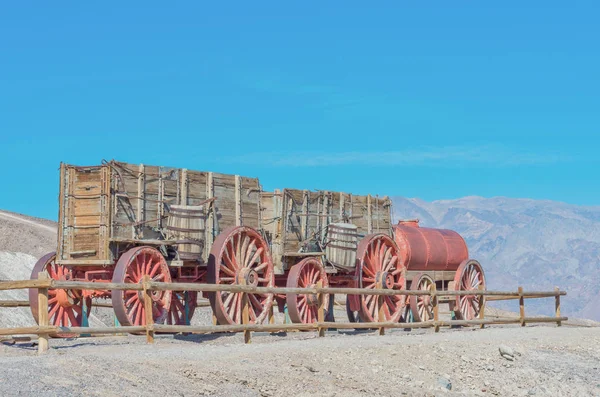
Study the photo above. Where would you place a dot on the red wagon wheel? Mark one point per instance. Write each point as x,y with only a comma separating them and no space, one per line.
177,311
469,277
421,305
304,308
240,256
65,307
378,268
131,267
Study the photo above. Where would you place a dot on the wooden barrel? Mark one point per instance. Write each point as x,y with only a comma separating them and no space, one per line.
342,241
186,224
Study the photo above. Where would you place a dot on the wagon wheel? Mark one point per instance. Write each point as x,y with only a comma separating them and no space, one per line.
180,301
421,305
240,256
469,276
378,269
131,267
304,308
65,307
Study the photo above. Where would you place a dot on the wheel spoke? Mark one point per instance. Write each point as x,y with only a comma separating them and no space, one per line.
244,251
71,316
255,302
227,271
315,276
227,258
367,270
261,266
238,249
228,300
256,256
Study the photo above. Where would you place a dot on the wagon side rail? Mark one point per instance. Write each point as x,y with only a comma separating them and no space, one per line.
44,330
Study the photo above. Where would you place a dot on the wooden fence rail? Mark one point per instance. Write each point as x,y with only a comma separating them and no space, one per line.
44,330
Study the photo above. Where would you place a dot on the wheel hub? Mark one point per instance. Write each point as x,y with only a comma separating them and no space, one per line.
63,298
156,296
384,280
247,277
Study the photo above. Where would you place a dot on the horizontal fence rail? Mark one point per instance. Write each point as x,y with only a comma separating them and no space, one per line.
157,286
44,330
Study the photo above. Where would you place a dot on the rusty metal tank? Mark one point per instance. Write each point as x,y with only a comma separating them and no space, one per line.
424,248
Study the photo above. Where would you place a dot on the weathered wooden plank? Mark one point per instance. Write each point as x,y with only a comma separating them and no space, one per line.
238,201
210,221
141,203
184,187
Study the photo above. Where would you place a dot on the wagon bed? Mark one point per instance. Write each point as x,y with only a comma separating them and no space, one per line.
293,220
104,208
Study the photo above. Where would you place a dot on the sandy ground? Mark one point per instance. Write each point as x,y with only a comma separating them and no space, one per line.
549,361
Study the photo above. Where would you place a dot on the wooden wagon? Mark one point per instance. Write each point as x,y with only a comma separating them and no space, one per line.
120,222
335,239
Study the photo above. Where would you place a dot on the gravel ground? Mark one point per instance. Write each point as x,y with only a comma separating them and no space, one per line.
548,361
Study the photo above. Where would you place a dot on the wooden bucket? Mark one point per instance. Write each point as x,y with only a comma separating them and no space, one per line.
342,242
186,223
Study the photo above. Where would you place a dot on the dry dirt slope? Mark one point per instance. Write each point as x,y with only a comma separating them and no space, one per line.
23,240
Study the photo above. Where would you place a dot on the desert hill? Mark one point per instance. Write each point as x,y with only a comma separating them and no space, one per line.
23,240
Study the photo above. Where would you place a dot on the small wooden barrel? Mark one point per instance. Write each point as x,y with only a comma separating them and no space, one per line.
342,241
186,223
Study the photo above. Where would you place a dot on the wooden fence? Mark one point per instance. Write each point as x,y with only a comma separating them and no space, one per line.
44,330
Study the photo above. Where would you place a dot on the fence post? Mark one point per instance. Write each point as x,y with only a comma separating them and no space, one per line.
246,317
521,307
482,307
271,316
557,304
148,310
321,310
43,314
436,309
381,313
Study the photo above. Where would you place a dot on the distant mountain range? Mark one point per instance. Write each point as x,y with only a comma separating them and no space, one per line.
532,243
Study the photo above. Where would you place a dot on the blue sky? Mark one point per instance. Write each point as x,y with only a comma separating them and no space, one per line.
433,100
